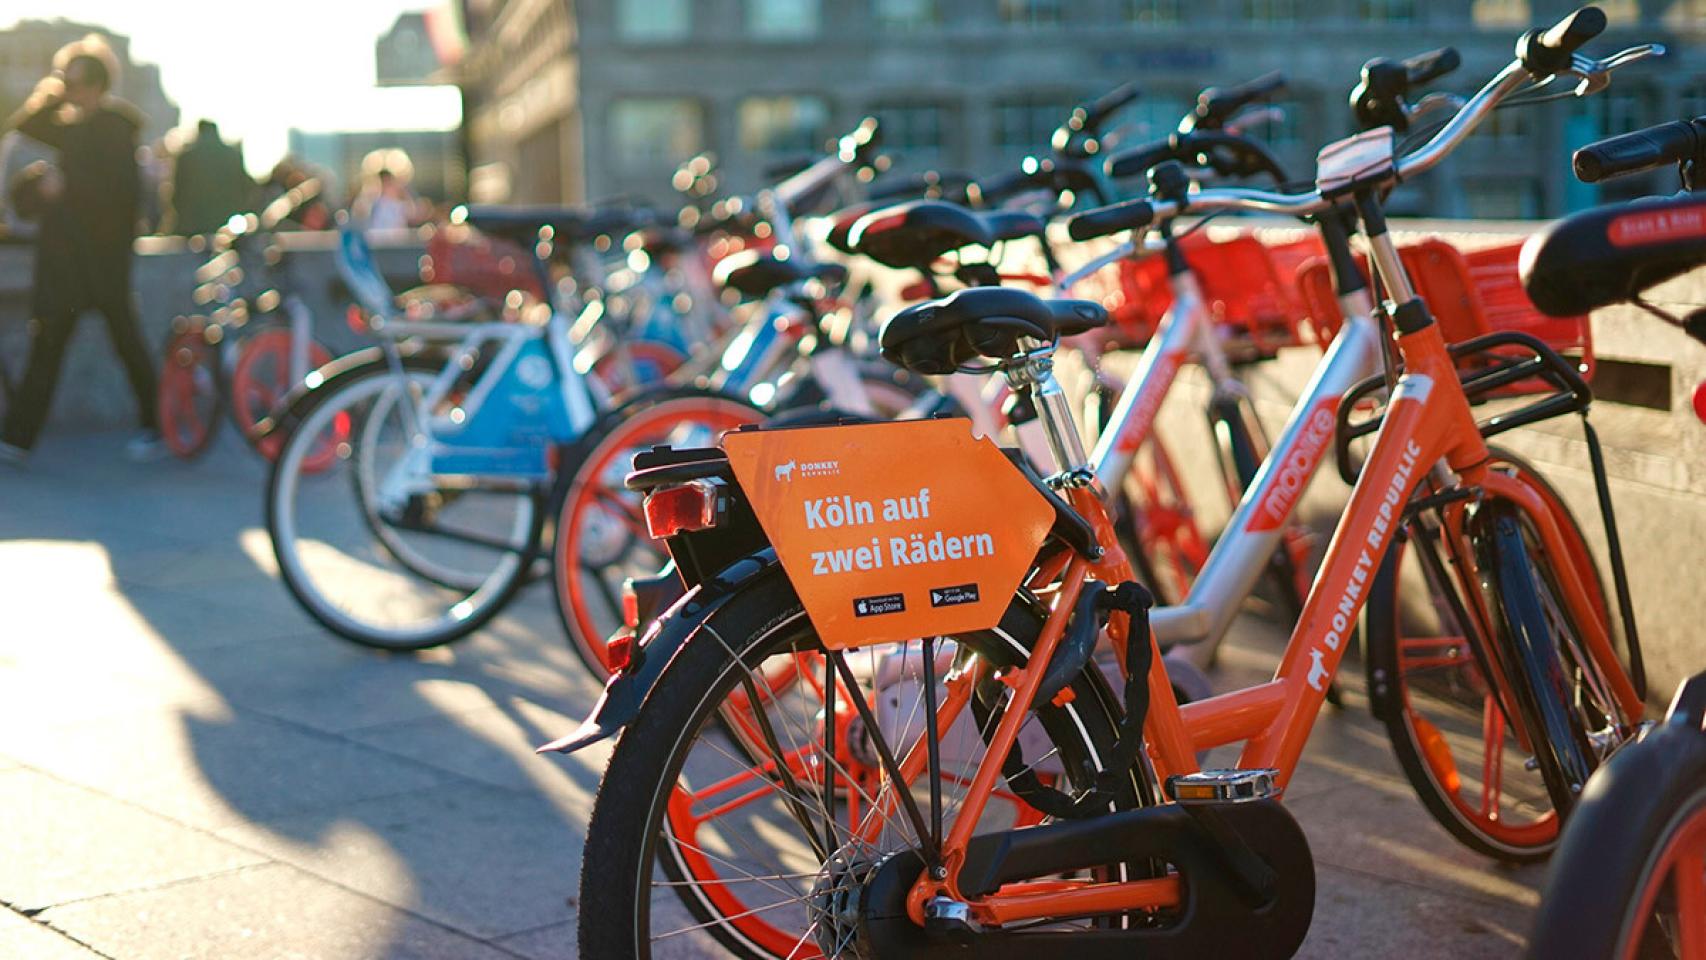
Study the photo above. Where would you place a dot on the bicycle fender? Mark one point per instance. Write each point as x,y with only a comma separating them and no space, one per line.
625,693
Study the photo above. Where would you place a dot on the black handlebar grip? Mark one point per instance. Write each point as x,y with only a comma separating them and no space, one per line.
1216,105
1671,142
1547,52
1099,109
1426,67
1131,215
1136,161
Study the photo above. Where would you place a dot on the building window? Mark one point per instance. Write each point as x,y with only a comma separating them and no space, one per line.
1507,128
782,19
1026,124
903,15
1270,11
1617,110
654,21
1503,198
1031,13
1387,11
1501,14
914,130
1153,116
1281,128
774,126
655,132
1153,13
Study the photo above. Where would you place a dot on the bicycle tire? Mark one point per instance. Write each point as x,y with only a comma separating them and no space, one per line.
1607,881
1523,596
582,480
628,818
190,367
247,387
1414,734
465,618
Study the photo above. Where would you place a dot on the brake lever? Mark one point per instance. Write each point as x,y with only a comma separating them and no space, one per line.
1595,74
1238,125
1432,103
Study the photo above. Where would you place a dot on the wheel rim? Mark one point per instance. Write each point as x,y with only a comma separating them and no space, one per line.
1461,733
750,906
188,392
1674,892
601,532
419,613
262,379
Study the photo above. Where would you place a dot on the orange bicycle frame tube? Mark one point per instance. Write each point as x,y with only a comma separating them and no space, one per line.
1427,420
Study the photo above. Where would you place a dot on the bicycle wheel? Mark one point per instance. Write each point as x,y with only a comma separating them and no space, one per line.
1629,880
701,839
484,531
189,393
601,538
261,378
1434,680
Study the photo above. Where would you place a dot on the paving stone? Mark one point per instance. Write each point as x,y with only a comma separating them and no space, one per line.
1360,915
24,938
496,745
1385,832
215,769
64,843
484,860
267,911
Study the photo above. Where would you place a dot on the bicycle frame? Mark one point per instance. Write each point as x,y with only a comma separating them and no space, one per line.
1258,523
1428,425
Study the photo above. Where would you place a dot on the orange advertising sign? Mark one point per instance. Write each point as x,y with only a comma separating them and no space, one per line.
892,531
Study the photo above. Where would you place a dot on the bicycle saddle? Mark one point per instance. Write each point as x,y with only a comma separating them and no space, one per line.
841,226
1611,254
940,336
569,225
914,234
754,275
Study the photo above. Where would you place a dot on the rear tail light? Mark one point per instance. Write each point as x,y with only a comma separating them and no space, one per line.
356,318
630,606
619,652
687,507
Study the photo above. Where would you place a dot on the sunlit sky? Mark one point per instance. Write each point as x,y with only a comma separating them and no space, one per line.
258,71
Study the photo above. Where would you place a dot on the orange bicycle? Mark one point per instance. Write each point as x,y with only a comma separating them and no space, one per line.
803,778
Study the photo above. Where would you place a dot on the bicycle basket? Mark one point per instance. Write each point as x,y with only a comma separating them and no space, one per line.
486,266
1470,294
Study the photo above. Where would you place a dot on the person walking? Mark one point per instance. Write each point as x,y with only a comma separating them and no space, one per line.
83,249
209,183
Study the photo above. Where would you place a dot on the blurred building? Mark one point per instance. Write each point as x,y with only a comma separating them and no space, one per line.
574,99
26,55
436,157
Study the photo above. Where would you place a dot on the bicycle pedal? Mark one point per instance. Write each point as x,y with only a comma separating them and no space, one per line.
949,919
1224,786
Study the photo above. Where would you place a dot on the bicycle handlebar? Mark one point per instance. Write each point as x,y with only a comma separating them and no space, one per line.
1217,104
1544,53
1426,67
1568,34
1091,115
1673,142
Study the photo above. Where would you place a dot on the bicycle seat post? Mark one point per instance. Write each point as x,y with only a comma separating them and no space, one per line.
1031,374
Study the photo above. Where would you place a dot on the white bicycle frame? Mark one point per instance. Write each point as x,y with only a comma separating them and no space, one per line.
1257,525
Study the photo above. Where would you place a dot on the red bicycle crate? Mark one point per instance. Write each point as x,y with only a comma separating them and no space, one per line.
1469,294
488,267
1246,284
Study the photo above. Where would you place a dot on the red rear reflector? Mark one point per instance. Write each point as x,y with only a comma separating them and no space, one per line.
620,652
630,606
357,319
690,506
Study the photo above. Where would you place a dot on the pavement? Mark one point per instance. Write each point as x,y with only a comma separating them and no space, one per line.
189,767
